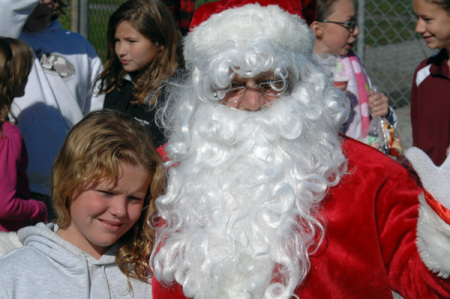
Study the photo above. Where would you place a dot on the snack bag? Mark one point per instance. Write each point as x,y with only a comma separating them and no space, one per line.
383,137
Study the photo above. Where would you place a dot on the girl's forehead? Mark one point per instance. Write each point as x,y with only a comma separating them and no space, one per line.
342,6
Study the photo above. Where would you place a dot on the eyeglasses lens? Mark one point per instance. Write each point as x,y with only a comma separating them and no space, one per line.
235,94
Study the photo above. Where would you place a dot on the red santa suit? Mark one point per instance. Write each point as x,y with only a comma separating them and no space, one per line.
380,199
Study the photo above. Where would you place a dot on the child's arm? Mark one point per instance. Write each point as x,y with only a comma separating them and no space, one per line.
13,206
13,16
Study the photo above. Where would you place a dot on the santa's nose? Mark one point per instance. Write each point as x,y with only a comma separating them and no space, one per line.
253,99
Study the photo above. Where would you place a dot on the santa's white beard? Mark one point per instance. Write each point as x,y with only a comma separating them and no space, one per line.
241,208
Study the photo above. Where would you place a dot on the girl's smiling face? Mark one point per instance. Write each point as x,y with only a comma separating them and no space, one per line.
433,22
104,212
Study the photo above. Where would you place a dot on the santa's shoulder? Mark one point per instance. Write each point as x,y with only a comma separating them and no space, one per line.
364,160
360,153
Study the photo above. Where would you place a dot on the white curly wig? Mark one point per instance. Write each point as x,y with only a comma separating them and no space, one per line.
241,210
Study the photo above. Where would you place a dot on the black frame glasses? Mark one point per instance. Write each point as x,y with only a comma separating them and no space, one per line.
350,25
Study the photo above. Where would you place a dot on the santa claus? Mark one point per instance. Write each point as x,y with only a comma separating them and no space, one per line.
265,199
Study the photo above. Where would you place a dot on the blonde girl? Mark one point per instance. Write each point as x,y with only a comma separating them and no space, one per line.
104,183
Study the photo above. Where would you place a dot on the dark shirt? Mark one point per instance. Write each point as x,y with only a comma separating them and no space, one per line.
430,107
182,11
120,99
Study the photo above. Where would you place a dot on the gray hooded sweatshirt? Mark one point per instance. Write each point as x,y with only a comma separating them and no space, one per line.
47,266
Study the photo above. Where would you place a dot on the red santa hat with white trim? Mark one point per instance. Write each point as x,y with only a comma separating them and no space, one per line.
284,22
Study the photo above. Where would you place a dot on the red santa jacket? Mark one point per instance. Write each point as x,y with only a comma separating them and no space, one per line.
369,249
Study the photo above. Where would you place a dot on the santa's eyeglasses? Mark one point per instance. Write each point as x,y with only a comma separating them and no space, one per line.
234,94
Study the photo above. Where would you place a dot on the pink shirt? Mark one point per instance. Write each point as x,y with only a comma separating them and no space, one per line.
16,205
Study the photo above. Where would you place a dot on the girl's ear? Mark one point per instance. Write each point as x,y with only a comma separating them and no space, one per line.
317,28
159,48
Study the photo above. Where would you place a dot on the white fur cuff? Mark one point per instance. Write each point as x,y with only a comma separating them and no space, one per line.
433,240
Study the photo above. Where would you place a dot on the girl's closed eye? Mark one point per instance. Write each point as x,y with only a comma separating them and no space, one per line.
105,192
135,198
425,18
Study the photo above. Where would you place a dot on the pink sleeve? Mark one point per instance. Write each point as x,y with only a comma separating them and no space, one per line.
15,197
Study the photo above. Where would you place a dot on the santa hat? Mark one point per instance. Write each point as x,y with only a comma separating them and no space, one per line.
284,22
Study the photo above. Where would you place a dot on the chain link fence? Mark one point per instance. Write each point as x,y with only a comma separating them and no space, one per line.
387,45
390,51
90,18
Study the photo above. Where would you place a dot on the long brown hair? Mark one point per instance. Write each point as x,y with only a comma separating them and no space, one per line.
16,61
153,20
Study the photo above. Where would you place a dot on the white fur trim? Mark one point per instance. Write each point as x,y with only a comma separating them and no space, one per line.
238,25
423,74
396,296
433,240
8,242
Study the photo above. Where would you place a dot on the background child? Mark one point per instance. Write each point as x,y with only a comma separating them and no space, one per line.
143,53
430,105
59,90
336,30
104,182
16,206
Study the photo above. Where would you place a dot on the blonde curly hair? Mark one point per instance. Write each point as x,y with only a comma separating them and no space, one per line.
91,154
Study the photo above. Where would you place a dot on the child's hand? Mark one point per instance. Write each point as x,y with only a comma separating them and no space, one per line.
378,104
